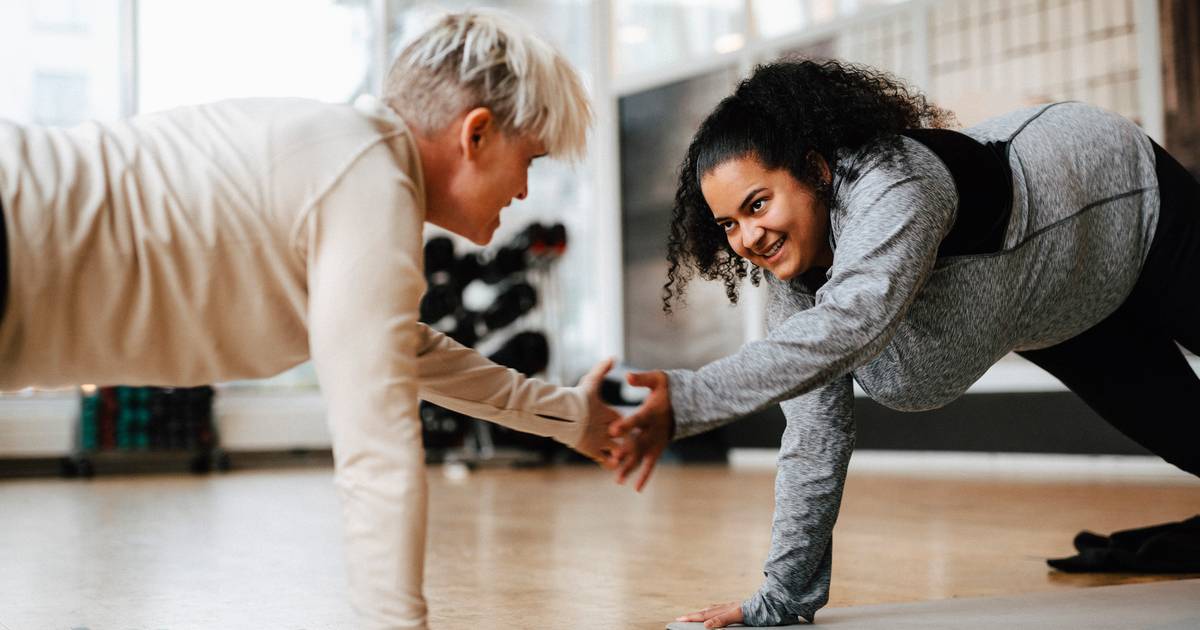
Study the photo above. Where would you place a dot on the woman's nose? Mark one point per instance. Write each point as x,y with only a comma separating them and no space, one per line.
751,235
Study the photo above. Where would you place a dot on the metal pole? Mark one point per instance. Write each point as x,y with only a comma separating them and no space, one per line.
1150,77
608,266
128,56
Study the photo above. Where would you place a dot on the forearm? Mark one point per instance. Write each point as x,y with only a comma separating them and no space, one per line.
459,378
724,391
379,464
366,368
799,355
380,475
813,457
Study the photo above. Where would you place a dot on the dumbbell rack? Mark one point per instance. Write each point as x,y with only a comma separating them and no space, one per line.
143,429
522,266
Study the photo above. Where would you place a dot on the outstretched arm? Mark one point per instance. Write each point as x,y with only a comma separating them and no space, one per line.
892,220
461,379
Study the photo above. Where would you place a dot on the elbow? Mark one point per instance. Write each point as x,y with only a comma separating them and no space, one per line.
898,389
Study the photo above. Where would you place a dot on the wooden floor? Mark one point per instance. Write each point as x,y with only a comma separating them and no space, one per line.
554,548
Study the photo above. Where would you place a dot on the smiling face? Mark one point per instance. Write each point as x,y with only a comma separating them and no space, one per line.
770,218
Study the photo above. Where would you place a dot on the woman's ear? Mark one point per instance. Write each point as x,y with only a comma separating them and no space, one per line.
477,127
818,160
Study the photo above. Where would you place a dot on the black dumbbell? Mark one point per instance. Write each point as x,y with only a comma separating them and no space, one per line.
556,239
465,270
466,328
508,260
516,300
526,352
439,255
439,301
532,239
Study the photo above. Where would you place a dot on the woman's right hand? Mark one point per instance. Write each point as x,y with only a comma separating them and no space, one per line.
716,615
647,431
597,443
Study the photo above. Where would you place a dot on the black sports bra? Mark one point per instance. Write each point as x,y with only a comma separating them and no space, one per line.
984,181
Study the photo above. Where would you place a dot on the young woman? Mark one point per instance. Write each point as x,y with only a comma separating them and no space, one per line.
910,258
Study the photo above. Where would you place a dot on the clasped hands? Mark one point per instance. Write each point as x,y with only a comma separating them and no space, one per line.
625,444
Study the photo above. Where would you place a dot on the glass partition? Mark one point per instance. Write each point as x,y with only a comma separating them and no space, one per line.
61,61
652,145
653,34
195,52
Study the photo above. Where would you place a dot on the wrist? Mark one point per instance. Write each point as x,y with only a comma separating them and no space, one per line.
578,417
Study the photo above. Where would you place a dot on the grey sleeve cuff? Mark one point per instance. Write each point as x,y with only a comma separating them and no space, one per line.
761,611
687,416
776,605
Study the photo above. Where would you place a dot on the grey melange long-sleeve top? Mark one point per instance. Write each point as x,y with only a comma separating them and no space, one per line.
916,330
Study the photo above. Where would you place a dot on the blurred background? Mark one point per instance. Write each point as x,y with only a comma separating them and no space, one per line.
654,68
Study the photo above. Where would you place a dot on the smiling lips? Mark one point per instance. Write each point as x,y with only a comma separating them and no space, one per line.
774,248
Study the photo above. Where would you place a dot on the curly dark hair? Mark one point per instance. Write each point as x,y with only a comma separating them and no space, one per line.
785,114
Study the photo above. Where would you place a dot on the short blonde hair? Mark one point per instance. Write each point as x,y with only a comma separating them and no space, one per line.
484,58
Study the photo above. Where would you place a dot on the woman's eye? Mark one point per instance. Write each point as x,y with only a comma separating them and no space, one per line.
757,205
728,227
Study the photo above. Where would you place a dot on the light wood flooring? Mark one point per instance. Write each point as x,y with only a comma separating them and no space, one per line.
551,548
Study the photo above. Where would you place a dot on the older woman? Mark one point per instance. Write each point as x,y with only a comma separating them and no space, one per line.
910,258
236,239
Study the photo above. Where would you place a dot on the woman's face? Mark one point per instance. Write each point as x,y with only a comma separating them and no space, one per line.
770,218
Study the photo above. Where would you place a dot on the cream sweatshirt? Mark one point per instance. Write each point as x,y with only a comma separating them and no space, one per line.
235,240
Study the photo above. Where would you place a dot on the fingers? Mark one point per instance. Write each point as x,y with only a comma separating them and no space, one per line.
605,458
619,428
630,460
654,410
628,463
700,615
639,418
595,376
716,615
647,468
613,456
729,613
644,379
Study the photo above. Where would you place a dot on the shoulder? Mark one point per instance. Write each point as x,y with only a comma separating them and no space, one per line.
889,160
895,165
318,146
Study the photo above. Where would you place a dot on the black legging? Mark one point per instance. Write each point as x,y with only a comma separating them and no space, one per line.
1128,367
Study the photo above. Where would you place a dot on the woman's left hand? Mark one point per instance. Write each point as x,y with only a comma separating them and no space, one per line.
647,431
717,615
